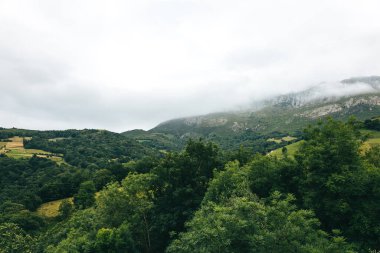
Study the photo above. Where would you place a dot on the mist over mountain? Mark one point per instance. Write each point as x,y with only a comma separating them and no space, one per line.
329,91
324,92
285,115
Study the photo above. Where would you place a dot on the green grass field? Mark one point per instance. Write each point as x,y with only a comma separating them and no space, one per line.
373,140
289,138
292,148
51,209
57,139
274,140
372,134
286,138
15,149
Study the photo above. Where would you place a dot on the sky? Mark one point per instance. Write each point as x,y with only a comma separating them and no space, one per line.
122,65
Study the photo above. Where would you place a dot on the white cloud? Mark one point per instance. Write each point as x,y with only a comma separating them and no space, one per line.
132,64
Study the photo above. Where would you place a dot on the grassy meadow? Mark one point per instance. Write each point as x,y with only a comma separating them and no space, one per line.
373,140
51,209
292,148
14,148
280,140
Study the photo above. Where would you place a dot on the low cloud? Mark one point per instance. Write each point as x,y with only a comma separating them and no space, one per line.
124,65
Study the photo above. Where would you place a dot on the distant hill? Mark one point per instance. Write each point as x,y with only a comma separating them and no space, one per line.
280,116
80,148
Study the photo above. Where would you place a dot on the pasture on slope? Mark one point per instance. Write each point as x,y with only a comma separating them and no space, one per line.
283,139
373,140
291,149
51,209
14,148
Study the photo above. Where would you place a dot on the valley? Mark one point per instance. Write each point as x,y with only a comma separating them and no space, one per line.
167,189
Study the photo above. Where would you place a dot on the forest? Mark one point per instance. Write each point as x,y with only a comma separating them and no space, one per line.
119,195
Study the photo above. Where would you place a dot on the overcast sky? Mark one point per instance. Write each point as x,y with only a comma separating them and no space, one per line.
121,65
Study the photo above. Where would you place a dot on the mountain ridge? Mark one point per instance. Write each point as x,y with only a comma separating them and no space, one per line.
286,114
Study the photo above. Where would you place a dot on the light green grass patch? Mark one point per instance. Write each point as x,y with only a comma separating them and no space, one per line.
371,133
370,143
280,140
289,138
274,140
15,149
292,148
57,139
373,141
51,209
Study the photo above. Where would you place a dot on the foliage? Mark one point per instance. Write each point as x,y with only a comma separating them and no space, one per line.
243,224
131,202
65,209
372,124
182,180
322,198
14,240
336,184
36,180
77,234
372,156
102,177
85,197
89,147
115,240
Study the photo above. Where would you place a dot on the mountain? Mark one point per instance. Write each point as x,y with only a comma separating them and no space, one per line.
277,117
329,92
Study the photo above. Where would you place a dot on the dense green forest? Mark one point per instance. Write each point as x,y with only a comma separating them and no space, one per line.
133,197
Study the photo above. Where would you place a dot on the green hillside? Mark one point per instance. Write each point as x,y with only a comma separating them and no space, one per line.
250,128
116,190
290,150
76,147
14,148
372,140
160,141
223,182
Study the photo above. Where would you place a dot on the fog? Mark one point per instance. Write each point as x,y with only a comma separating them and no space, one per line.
121,65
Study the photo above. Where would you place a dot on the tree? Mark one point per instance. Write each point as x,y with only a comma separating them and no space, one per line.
102,177
130,202
14,240
372,156
75,234
243,224
115,240
329,160
65,209
284,151
181,182
231,182
17,214
336,183
85,196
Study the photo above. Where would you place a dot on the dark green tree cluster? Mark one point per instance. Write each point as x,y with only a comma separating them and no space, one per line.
339,184
372,124
33,181
91,148
141,211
